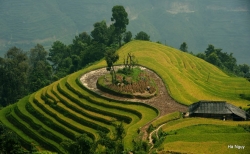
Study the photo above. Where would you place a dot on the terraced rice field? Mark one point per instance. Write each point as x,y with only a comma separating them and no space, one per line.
66,108
200,135
188,78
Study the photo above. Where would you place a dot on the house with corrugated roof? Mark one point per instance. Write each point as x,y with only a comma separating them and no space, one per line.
216,109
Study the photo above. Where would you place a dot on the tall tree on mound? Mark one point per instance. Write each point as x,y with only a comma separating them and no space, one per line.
111,57
120,16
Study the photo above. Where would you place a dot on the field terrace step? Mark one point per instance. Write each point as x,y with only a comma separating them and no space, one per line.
60,107
143,113
111,111
26,142
78,105
62,119
31,119
32,133
49,120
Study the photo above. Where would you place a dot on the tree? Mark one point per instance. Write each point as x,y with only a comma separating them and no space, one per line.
142,36
40,70
100,32
82,145
210,49
111,57
9,143
214,59
127,37
184,47
120,18
13,81
57,53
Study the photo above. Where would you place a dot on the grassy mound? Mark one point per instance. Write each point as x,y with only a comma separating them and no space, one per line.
134,83
66,109
188,78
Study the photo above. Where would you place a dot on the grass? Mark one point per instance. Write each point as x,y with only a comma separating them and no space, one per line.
131,129
66,104
166,118
186,78
201,135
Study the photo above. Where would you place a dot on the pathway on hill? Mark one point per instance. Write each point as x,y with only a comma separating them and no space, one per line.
163,102
150,136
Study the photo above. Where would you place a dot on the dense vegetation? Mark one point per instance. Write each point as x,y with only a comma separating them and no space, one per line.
222,23
64,116
26,72
64,110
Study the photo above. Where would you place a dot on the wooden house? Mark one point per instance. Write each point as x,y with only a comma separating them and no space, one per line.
216,109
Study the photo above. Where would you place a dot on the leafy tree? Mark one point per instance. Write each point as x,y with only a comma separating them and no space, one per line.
201,55
13,82
9,143
78,46
57,53
82,145
76,61
120,18
111,57
142,36
210,49
94,52
40,70
245,69
85,38
214,59
127,37
184,47
100,32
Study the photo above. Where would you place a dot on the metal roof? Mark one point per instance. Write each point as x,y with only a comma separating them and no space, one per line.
216,107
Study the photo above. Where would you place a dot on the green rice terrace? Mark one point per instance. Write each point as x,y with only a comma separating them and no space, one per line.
74,105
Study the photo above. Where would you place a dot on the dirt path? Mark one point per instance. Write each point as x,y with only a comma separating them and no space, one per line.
163,102
150,136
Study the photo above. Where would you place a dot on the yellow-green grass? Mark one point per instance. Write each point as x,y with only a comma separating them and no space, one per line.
180,123
28,128
76,97
166,118
22,109
7,110
70,122
39,110
200,135
88,120
147,113
186,76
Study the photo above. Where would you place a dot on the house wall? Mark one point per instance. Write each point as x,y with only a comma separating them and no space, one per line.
215,116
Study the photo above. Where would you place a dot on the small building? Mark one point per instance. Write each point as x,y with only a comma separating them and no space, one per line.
216,109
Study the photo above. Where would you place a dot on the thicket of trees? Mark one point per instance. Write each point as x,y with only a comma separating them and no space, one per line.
25,72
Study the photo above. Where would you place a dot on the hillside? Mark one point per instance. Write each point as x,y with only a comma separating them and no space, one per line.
221,23
66,108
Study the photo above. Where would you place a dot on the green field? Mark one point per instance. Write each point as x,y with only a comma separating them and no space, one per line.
66,108
200,135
